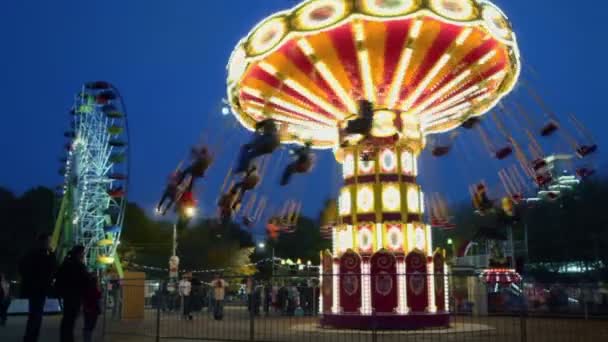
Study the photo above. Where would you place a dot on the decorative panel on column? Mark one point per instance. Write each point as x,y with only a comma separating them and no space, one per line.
350,282
327,284
439,278
384,282
417,287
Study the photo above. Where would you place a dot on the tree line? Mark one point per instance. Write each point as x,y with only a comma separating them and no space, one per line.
571,229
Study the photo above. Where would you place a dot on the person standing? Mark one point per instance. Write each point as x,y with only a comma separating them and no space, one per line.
249,288
71,283
37,269
5,298
219,292
185,289
91,307
210,300
267,298
164,296
116,294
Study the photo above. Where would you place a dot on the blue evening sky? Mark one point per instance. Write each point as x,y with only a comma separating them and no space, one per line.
168,58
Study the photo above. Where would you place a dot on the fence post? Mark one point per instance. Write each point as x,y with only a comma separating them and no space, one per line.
523,325
251,324
105,310
374,326
159,303
314,301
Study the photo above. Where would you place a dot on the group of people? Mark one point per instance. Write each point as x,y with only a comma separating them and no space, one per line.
70,281
265,141
287,299
192,294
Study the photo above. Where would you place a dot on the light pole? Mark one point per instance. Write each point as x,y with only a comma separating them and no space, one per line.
189,212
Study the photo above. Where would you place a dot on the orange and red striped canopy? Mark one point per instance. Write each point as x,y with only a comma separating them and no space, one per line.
439,61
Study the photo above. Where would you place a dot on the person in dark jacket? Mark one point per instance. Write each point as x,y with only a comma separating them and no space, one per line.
5,298
37,269
91,307
72,282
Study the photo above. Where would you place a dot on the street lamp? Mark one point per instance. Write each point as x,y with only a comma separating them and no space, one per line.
262,246
451,244
190,211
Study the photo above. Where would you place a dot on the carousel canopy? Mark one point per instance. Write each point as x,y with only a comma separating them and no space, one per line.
432,62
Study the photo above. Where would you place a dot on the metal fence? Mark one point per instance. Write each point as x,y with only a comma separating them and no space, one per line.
524,312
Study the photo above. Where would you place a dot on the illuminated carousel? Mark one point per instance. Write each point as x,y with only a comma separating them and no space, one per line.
424,67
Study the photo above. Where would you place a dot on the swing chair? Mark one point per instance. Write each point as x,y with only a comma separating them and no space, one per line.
470,123
551,125
505,151
439,214
588,147
250,218
499,153
481,202
584,172
442,148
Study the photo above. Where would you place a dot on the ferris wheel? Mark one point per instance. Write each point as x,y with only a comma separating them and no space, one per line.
96,172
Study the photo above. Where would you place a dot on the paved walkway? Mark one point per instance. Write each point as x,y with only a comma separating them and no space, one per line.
13,331
236,327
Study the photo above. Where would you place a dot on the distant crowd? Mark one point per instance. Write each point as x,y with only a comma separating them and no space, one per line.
193,295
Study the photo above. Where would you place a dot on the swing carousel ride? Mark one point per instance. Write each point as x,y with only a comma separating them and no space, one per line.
96,171
372,80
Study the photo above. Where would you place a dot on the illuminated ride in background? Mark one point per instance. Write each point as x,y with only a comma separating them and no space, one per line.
96,171
371,80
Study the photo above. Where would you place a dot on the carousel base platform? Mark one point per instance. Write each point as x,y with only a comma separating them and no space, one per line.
386,322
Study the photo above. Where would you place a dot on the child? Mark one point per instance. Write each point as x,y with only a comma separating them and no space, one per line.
91,308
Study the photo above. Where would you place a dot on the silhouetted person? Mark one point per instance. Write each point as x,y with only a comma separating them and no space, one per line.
363,123
5,298
303,160
91,308
265,141
37,269
72,282
267,298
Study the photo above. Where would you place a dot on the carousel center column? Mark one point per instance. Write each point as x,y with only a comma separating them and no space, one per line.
380,234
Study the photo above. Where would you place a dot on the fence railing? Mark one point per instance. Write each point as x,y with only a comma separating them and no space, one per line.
286,308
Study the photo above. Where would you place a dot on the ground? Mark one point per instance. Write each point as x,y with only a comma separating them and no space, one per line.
236,326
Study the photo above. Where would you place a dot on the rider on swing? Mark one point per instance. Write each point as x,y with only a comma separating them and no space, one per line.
362,125
265,141
301,164
480,200
170,191
231,201
201,159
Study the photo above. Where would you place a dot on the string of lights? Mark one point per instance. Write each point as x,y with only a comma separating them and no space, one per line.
287,262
